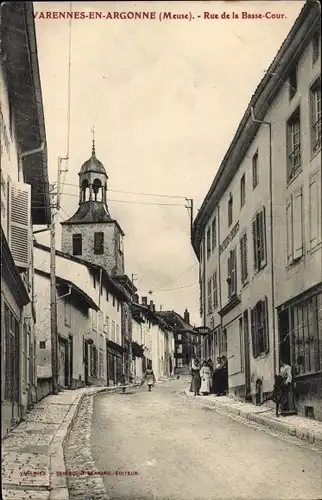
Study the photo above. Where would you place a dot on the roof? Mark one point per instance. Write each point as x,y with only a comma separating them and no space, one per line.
92,165
20,63
90,211
303,29
176,321
112,286
76,289
150,314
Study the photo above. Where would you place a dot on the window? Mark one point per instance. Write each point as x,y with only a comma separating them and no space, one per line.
118,340
98,243
208,243
293,144
68,310
179,363
179,336
306,320
242,191
230,210
316,116
113,301
316,47
107,326
259,240
209,296
292,81
231,274
77,244
243,259
201,285
315,222
214,234
19,223
259,328
215,290
42,344
107,294
294,236
255,169
113,331
179,349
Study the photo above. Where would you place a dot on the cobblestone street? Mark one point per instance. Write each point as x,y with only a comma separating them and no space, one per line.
203,454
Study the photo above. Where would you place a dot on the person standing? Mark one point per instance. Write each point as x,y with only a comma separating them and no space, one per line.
287,398
195,374
216,387
211,368
224,369
205,378
149,378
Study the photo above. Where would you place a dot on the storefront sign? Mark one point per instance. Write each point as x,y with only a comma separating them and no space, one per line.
202,330
229,238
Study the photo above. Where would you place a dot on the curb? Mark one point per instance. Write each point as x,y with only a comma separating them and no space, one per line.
58,483
258,417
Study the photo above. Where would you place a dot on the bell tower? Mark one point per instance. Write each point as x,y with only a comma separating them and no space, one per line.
91,233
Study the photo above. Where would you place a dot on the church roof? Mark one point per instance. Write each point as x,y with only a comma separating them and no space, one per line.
90,211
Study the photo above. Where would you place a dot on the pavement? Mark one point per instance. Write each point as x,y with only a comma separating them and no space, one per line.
164,446
294,425
32,453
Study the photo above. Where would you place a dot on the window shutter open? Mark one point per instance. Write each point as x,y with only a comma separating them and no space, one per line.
229,275
254,343
297,224
20,223
315,211
254,231
289,234
4,203
233,271
265,325
262,237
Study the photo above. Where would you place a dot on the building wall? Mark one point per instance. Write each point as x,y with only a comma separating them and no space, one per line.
112,259
43,331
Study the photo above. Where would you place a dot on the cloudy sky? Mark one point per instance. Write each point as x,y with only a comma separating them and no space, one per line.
165,99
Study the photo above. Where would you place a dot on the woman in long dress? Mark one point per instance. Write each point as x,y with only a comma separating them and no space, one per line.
205,378
149,378
211,379
195,381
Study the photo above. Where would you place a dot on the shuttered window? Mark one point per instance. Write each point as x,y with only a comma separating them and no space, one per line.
4,203
98,243
294,144
77,244
209,296
242,191
214,234
259,240
230,210
208,243
243,259
20,223
215,290
294,220
259,328
315,215
232,273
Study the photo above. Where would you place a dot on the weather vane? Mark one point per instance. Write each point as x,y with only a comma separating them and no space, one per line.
93,146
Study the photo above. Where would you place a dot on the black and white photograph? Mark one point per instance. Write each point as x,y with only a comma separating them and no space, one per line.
161,250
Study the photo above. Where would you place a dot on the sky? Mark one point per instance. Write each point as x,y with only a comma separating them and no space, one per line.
165,99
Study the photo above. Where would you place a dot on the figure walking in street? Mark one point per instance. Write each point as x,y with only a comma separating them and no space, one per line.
205,378
211,368
195,373
149,378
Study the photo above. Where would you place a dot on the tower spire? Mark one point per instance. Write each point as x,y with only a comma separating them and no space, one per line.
93,140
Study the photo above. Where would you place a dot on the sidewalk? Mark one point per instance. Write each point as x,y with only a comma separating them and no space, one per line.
303,428
32,453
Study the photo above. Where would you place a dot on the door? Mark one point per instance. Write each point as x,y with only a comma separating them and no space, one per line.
62,364
284,337
247,358
85,346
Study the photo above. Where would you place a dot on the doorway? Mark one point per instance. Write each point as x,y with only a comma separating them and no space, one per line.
284,337
247,358
70,360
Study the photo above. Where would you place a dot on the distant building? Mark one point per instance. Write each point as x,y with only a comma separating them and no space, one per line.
258,233
24,204
186,340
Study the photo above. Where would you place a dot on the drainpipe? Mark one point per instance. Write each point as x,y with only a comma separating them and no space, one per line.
30,153
66,294
269,124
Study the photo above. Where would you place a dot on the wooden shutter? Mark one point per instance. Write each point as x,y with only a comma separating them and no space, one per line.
315,210
253,331
20,223
265,325
262,238
215,290
243,258
4,203
229,274
289,232
255,239
297,224
233,271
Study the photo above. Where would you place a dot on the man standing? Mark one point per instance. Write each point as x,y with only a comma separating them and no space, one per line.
287,401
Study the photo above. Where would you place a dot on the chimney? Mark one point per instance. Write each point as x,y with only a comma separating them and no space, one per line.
144,301
186,317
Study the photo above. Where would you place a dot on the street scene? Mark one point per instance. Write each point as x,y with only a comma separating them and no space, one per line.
161,250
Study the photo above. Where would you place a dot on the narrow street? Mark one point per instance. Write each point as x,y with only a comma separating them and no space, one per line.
179,450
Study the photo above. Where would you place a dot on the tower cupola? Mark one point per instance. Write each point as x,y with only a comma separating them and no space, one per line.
92,179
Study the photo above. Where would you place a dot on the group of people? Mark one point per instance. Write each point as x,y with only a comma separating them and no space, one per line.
207,379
